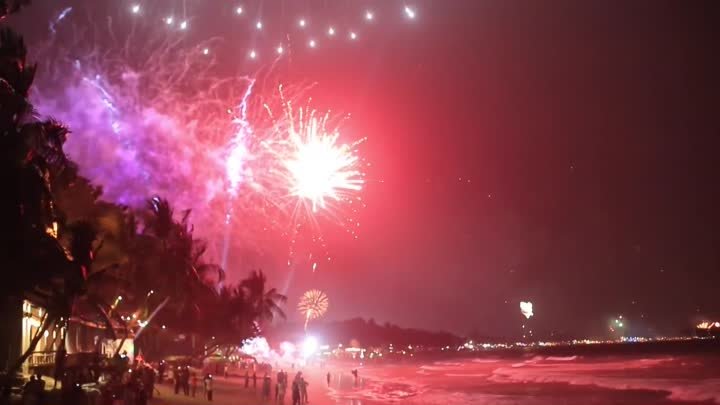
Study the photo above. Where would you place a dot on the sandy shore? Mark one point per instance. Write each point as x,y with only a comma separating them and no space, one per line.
232,391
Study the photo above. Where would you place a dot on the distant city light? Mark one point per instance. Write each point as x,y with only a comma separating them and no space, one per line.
183,25
331,31
239,10
312,43
205,51
168,20
259,25
279,50
302,23
353,35
135,8
369,15
253,55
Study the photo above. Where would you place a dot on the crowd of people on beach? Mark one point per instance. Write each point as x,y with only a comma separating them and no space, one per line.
186,381
298,386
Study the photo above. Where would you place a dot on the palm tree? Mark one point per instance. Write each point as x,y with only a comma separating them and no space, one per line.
160,222
265,304
31,159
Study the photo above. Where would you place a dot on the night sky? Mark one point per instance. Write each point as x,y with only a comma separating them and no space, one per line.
561,152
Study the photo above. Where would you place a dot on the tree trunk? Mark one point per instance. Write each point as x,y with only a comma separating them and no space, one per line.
122,342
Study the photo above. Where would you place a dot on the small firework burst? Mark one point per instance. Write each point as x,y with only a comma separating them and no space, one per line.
313,305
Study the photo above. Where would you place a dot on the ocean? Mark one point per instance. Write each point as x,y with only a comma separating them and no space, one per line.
535,380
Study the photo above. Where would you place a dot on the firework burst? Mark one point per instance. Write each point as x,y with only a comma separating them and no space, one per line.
313,305
166,119
319,166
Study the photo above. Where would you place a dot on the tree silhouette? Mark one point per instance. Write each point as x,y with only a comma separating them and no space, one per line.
265,304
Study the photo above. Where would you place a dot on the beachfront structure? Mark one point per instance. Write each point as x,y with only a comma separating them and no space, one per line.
22,322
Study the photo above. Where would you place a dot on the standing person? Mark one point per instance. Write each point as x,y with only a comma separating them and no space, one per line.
40,388
194,381
209,387
177,379
278,382
328,378
30,392
355,375
254,379
161,371
282,387
266,387
303,390
247,378
149,377
296,389
186,381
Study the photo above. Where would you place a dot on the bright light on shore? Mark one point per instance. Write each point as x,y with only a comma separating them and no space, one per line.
309,346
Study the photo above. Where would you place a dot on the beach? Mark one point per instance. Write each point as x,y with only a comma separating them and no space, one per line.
532,380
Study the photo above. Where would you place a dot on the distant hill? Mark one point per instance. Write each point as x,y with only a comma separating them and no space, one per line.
365,333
